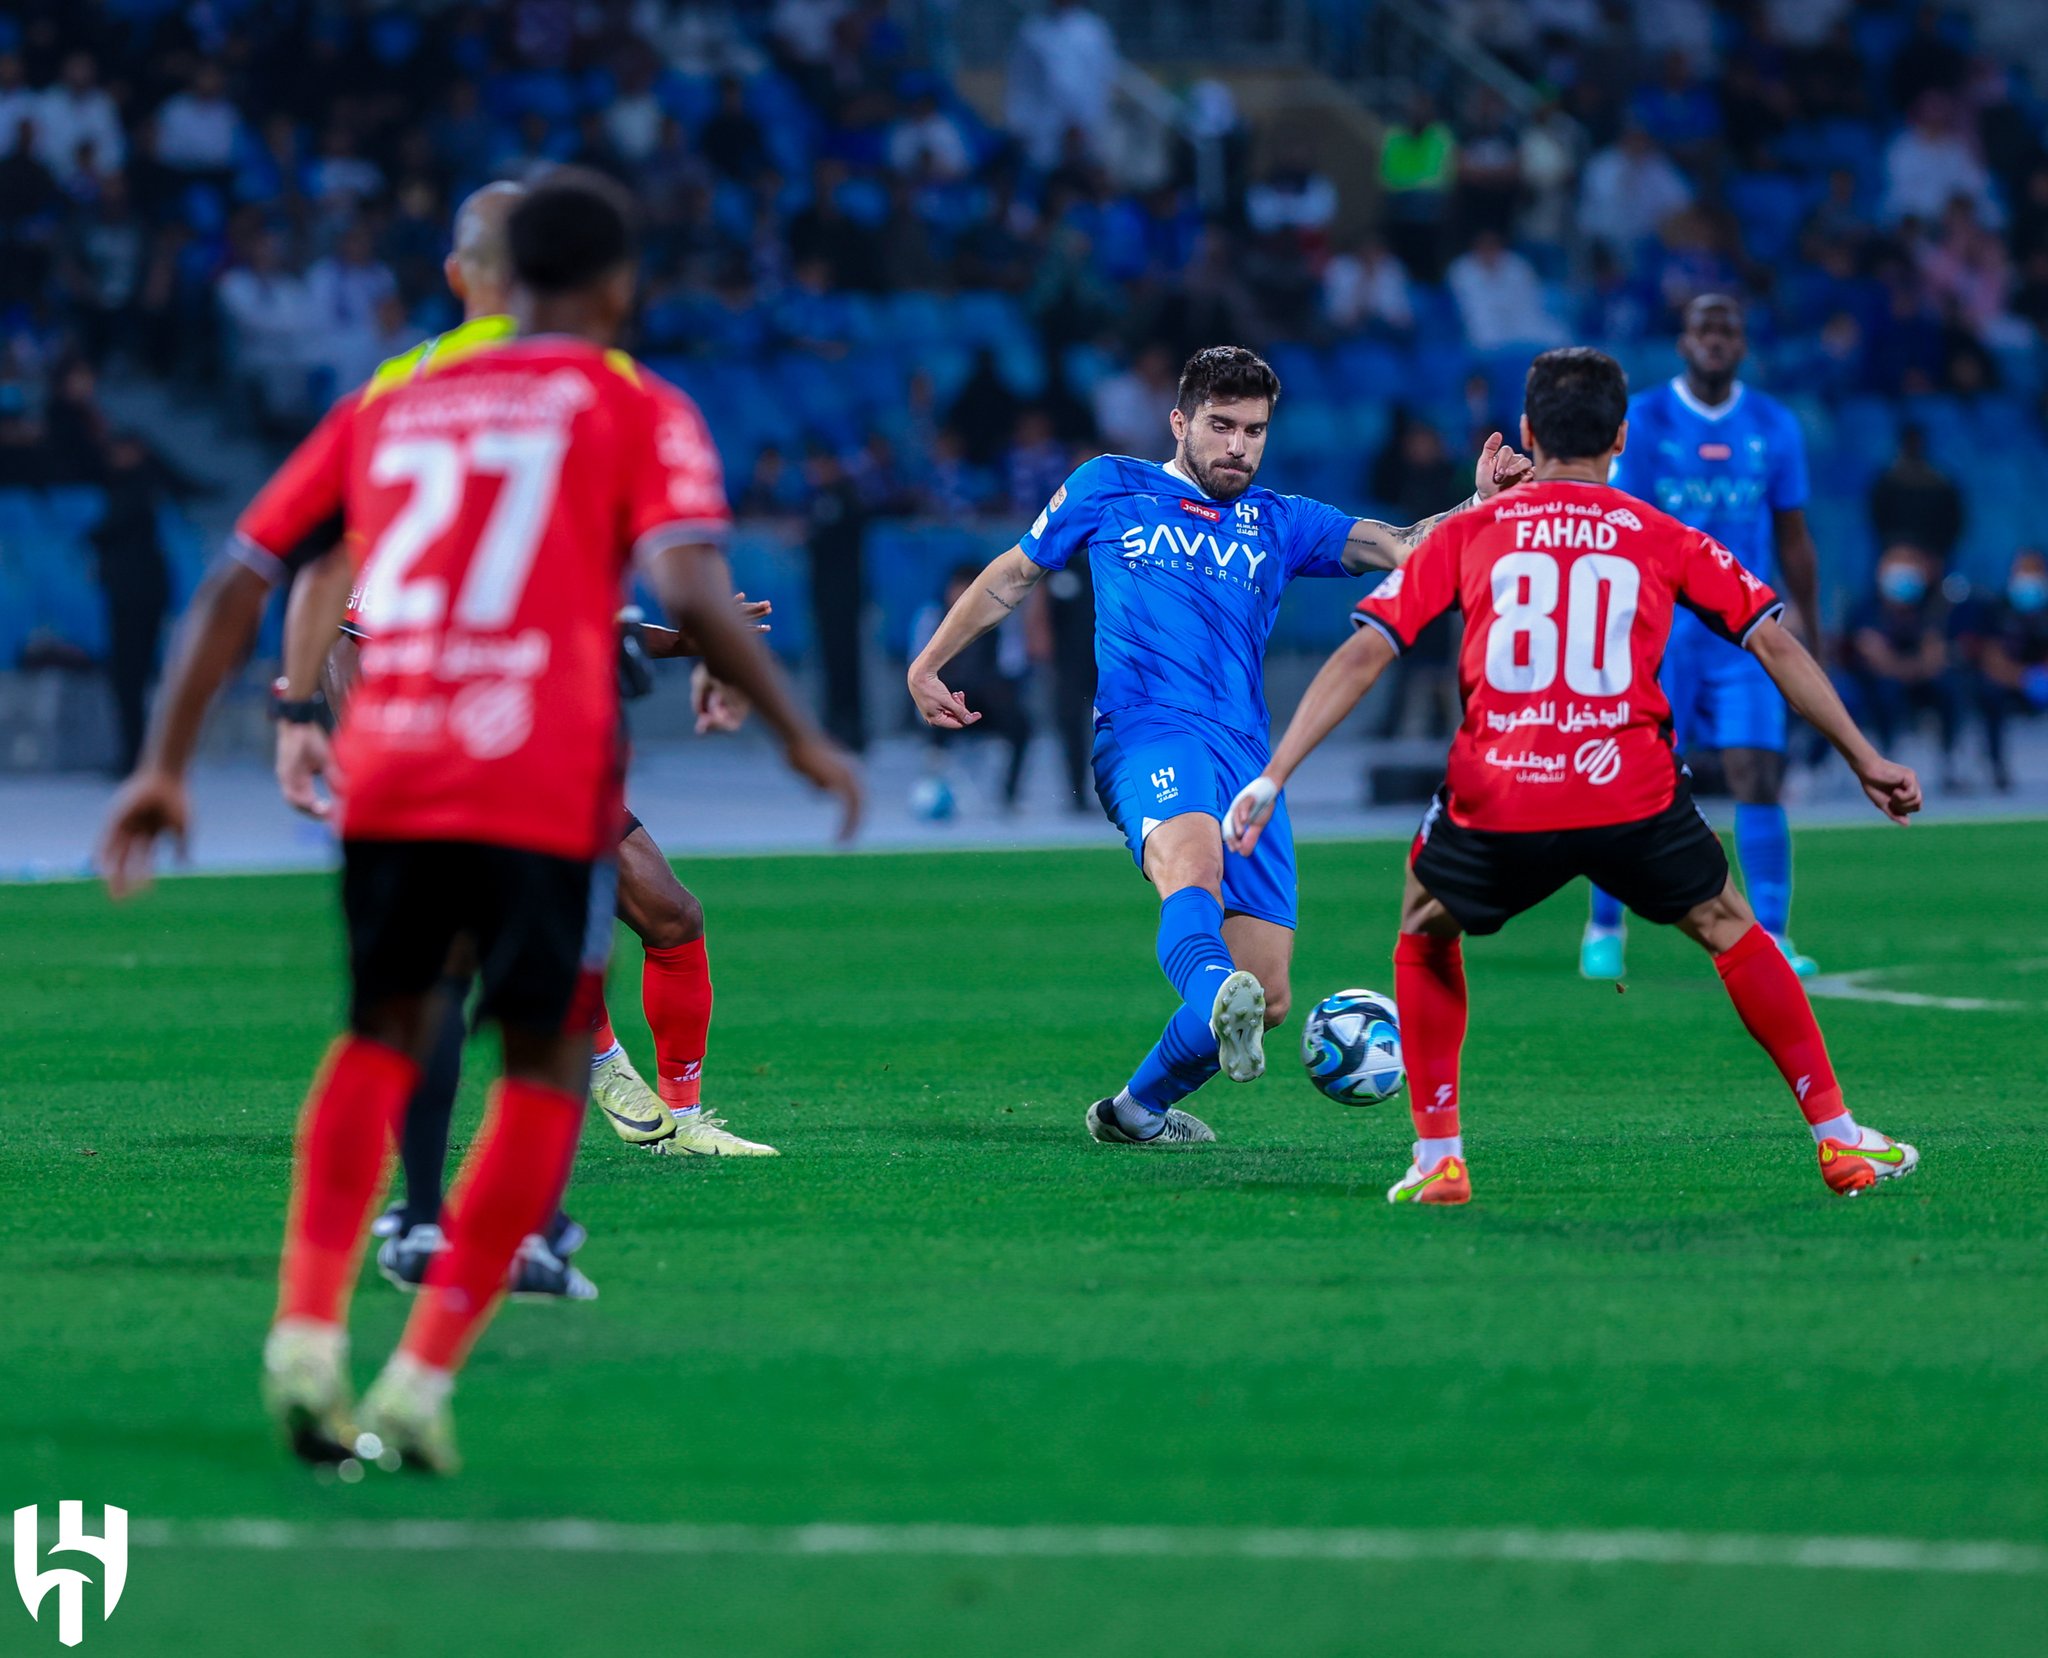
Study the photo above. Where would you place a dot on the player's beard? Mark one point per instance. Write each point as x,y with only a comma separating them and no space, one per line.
1219,485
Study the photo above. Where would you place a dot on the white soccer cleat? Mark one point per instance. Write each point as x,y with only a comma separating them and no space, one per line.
1179,1129
634,1110
406,1422
1239,1020
306,1389
700,1135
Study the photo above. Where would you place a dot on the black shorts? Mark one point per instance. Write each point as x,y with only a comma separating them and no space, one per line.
540,926
1661,867
632,823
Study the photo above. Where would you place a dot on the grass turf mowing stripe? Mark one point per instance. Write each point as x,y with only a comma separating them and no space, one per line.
1560,1548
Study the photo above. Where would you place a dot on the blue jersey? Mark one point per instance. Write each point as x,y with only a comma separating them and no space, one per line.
1186,587
1722,470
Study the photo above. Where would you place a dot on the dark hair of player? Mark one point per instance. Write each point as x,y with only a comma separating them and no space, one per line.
1576,399
574,229
1224,374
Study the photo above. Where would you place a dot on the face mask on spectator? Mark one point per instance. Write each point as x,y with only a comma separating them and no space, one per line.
1902,584
2028,593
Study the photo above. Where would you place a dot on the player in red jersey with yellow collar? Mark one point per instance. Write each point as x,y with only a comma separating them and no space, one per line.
498,505
1564,764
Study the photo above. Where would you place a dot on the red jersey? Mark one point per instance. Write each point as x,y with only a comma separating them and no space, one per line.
1568,591
492,509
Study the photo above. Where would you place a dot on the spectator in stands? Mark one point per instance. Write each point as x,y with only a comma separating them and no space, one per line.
835,543
1418,170
344,293
927,143
19,101
634,118
1037,462
1677,110
774,489
1365,291
732,140
1061,634
1130,407
1930,163
2005,644
30,204
135,577
950,486
1964,264
1295,197
104,250
993,674
196,129
1628,190
1414,466
1489,189
80,128
1913,501
1500,298
1063,73
270,315
1550,157
1898,648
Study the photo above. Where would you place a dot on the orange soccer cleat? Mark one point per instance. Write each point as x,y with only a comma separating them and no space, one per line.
1849,1169
1448,1180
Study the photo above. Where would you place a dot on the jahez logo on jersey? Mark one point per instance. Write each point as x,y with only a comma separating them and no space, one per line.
1598,760
1715,452
1196,509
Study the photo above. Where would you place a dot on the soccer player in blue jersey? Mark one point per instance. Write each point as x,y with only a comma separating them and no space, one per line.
1188,558
1723,457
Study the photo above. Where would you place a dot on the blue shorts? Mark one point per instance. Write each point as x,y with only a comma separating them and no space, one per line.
1720,695
1154,764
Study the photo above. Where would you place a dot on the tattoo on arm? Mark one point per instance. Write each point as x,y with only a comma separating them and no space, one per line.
1393,542
1007,604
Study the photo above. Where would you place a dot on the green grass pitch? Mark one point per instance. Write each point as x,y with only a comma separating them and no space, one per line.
943,1304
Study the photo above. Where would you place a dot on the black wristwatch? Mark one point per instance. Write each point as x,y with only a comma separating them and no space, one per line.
311,710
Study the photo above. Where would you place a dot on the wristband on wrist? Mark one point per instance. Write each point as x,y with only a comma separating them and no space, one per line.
311,710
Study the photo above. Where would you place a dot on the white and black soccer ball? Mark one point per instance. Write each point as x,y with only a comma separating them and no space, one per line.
1351,1046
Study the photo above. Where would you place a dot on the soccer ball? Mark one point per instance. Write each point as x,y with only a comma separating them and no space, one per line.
1351,1046
931,798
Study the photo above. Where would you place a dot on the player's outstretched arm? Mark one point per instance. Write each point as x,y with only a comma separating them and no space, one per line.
1893,789
1799,568
215,635
995,596
1331,695
694,583
1375,545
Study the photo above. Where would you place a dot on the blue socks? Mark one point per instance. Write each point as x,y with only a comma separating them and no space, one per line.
1763,846
1195,960
1606,911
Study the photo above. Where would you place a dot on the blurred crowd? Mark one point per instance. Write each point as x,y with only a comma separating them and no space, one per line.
902,305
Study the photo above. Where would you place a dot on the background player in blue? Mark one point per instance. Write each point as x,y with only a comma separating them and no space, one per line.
1724,458
1188,558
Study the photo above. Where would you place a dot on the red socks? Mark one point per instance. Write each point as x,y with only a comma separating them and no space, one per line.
675,989
338,1169
1429,989
508,1187
1773,1005
604,1038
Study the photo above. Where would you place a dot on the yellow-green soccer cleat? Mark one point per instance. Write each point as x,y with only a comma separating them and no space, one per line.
306,1389
1238,1017
634,1110
406,1421
697,1134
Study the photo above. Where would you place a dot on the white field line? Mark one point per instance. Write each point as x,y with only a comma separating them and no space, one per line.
1334,1544
1855,987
